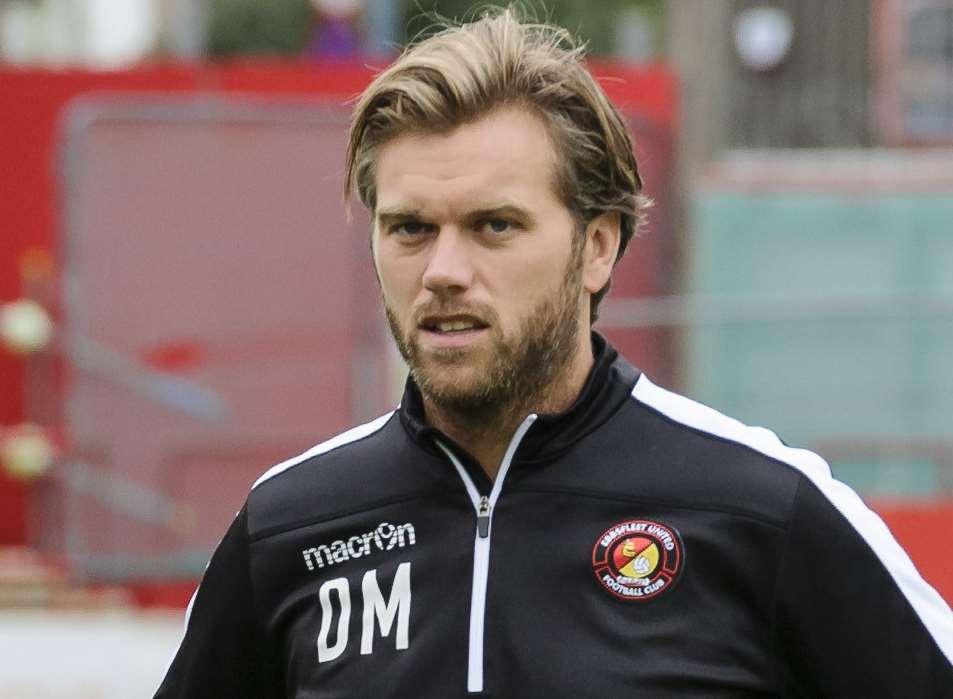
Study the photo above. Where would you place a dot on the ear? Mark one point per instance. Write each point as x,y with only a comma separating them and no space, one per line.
602,245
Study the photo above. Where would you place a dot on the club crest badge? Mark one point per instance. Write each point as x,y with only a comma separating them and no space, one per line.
638,559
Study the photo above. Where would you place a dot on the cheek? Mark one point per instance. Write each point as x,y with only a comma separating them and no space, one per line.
521,287
398,278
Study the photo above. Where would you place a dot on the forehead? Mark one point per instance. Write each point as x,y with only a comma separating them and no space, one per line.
506,154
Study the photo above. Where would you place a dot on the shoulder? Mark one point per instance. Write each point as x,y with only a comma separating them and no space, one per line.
714,425
353,440
720,462
354,470
818,511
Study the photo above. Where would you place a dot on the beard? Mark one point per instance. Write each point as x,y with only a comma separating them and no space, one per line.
516,372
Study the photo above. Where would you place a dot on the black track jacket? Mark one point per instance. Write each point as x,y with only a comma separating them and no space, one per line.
637,545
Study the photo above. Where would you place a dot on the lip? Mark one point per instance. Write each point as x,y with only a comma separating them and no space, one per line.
432,319
453,339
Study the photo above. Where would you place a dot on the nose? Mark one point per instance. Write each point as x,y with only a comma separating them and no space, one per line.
449,266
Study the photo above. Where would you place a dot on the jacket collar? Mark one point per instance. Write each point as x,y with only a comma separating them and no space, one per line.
608,386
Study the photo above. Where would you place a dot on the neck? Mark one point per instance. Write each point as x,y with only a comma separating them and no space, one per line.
485,434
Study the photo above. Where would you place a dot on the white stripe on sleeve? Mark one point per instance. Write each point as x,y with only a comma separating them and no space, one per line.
926,602
352,435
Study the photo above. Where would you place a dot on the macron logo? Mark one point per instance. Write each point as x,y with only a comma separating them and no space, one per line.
384,538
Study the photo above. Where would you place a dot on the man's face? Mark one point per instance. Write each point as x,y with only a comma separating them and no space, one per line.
474,251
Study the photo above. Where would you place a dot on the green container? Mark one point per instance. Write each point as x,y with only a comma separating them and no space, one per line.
828,317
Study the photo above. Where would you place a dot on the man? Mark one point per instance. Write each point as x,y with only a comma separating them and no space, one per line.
537,518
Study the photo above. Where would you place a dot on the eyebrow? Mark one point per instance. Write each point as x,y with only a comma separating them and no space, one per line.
501,211
398,213
386,216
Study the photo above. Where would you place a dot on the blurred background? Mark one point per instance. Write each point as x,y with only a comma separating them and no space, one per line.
185,303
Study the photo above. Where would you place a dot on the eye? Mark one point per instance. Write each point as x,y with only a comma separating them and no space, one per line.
411,228
495,226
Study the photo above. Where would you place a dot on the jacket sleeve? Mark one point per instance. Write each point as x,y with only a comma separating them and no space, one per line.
853,617
223,653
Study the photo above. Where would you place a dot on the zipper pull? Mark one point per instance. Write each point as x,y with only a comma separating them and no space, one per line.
483,517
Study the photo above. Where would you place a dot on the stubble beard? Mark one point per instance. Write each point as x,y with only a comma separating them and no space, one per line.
517,374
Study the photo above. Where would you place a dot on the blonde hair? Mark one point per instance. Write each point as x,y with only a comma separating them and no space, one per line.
462,72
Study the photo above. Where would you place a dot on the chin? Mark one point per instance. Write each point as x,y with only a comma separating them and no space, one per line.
450,381
454,386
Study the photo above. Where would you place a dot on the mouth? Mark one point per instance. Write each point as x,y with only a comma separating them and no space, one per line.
452,325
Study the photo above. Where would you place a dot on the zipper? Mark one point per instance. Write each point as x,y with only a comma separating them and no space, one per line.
483,505
483,517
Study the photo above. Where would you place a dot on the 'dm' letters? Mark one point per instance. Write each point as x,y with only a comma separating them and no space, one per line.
376,612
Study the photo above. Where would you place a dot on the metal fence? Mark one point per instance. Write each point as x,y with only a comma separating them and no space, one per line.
220,315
